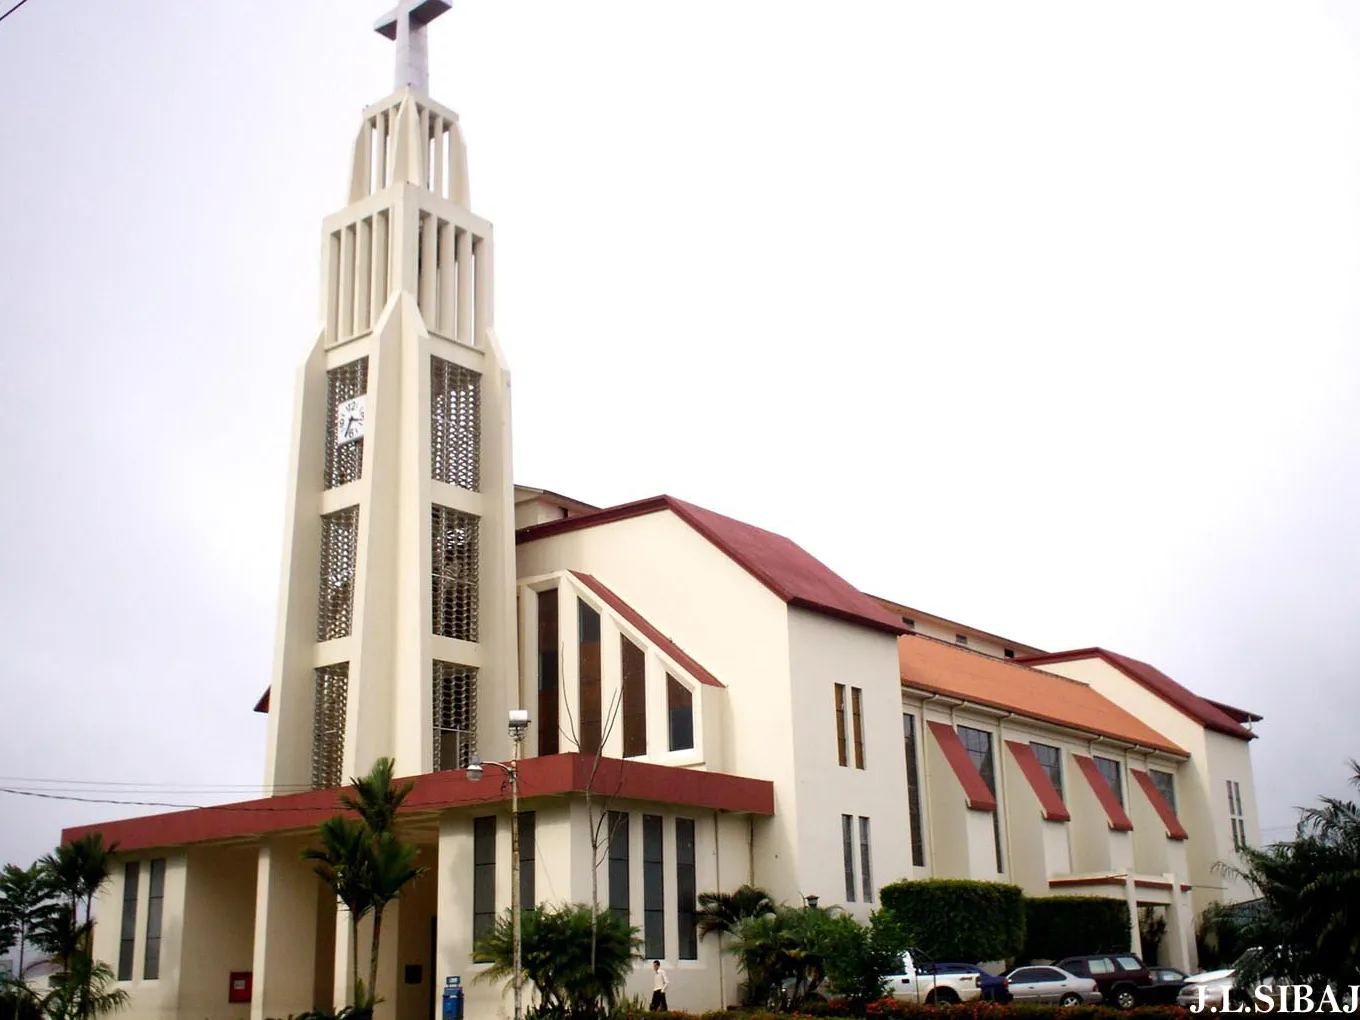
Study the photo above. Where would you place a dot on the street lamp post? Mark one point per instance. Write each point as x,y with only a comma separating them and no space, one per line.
519,722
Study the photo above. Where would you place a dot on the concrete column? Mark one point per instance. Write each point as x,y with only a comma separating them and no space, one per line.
1135,936
285,932
1180,922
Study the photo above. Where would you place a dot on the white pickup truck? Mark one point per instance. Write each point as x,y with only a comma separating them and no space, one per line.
932,988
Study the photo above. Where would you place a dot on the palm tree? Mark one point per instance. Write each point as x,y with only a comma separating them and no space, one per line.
575,956
376,798
1307,927
343,863
75,871
364,863
392,867
720,912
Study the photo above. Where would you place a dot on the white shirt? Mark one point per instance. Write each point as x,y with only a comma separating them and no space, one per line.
659,981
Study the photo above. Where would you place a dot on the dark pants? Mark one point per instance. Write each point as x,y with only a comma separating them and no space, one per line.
659,1000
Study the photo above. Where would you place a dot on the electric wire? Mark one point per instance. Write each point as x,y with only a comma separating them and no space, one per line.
12,9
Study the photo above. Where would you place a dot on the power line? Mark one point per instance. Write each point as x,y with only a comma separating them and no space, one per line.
12,9
147,783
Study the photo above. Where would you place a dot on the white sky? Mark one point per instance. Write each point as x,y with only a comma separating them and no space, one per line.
1039,316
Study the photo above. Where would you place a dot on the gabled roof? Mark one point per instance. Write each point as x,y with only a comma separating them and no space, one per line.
1200,709
653,635
781,565
939,667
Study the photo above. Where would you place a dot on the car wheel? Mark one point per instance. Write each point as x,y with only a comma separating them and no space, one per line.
1124,998
943,997
1070,999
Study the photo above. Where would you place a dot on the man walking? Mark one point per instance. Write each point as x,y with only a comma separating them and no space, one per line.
659,984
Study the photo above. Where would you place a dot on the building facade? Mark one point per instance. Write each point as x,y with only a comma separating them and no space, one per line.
740,711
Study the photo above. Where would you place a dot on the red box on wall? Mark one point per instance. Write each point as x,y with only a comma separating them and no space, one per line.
238,989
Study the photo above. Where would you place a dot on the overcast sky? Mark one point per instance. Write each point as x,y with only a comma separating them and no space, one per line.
1038,316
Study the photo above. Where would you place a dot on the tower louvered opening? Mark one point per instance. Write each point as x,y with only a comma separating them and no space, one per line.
330,704
455,715
454,561
335,594
344,463
455,425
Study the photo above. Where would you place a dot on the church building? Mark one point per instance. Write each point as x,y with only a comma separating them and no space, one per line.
743,712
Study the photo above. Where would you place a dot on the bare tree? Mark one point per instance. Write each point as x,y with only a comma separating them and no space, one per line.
598,804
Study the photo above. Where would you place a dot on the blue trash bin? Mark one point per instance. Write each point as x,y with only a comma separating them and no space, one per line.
453,999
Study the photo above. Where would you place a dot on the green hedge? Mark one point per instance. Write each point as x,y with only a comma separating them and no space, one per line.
1058,926
957,919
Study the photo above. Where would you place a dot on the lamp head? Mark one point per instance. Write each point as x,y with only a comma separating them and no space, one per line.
474,769
519,722
812,902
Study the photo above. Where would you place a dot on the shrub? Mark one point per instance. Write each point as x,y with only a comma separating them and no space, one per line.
1058,926
892,1009
957,919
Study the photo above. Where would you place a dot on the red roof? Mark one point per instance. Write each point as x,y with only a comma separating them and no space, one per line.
653,635
552,775
975,790
1049,799
1161,805
929,664
1114,811
1200,709
781,565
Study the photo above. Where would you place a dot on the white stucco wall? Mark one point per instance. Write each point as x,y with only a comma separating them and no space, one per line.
825,652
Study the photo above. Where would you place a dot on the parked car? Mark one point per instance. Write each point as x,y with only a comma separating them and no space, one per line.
1122,978
993,987
1166,986
919,986
1050,984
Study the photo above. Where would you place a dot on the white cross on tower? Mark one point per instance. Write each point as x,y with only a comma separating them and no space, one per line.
406,24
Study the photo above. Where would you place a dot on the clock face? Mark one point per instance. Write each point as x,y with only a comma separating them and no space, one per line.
349,421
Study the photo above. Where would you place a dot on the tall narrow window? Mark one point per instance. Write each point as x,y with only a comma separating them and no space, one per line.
918,846
455,424
866,873
1109,768
633,665
528,824
857,718
685,888
979,746
841,753
330,703
155,907
127,941
346,387
1236,816
848,854
335,591
1165,783
547,672
483,876
454,555
618,865
455,715
680,714
1050,760
653,888
588,641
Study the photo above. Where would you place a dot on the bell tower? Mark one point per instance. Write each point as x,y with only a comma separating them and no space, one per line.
396,620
